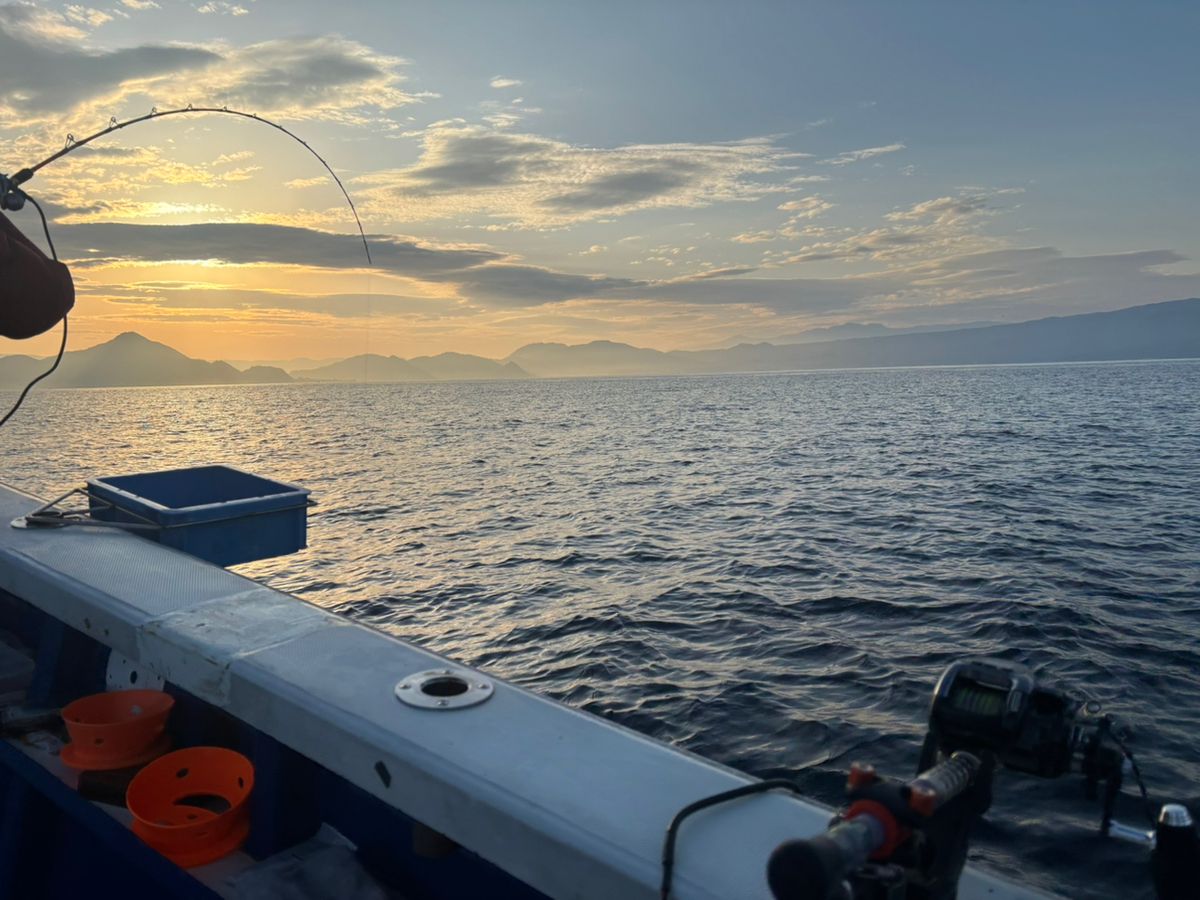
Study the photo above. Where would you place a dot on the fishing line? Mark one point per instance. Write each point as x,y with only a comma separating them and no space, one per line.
12,197
72,145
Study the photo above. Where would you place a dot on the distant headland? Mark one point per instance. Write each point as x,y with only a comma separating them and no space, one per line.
1167,330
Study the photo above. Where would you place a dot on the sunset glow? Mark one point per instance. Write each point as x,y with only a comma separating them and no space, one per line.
569,182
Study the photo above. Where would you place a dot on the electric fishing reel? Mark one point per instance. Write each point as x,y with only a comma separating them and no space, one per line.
908,840
998,709
12,198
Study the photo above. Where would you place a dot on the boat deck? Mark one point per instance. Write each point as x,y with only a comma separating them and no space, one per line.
571,805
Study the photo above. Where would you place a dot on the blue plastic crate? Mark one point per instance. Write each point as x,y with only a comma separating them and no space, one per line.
218,513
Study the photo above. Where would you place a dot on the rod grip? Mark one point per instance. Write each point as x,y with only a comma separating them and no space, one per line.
812,869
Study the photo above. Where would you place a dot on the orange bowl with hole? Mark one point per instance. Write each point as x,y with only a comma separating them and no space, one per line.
191,805
116,729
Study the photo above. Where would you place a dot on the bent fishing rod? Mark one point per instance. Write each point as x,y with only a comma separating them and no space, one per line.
12,198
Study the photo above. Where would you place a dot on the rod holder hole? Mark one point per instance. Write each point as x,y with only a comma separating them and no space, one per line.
445,686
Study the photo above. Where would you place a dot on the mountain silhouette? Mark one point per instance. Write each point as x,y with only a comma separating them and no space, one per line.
1154,331
131,360
365,367
443,367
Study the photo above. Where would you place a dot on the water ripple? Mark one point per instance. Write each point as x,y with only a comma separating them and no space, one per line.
770,570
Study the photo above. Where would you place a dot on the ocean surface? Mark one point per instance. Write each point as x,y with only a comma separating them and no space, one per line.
770,570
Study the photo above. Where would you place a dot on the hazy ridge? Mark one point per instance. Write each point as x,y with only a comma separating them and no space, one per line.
1154,331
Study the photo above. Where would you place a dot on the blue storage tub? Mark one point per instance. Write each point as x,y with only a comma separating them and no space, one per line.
218,513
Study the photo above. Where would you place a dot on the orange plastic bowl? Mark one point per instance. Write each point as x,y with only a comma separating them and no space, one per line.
115,729
191,806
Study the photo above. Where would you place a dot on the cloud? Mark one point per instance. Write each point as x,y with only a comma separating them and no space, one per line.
1043,281
853,156
781,295
43,70
942,209
194,296
516,286
102,182
36,25
623,189
139,4
806,207
244,243
502,119
86,15
930,229
300,183
220,7
306,77
499,82
878,244
534,181
481,274
802,209
1014,284
46,73
1000,283
465,158
754,237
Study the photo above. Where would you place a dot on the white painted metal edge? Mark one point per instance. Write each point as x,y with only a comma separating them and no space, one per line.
571,804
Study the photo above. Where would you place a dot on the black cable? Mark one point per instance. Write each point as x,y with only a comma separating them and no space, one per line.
61,347
45,227
668,852
113,125
1137,774
50,371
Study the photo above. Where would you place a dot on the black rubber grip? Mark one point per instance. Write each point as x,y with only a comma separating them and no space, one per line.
806,870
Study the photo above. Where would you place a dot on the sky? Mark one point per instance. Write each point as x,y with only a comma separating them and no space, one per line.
676,175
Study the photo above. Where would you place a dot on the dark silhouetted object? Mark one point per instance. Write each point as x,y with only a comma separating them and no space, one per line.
35,290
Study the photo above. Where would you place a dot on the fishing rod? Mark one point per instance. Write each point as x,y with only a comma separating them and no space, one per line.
908,840
10,185
13,198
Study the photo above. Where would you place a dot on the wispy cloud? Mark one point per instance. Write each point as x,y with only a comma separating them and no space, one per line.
801,208
806,207
535,182
46,74
44,71
1032,280
853,156
221,7
194,296
499,82
950,210
932,228
86,15
245,243
754,237
27,23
